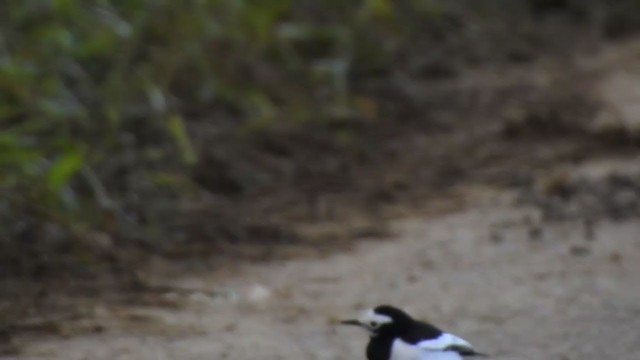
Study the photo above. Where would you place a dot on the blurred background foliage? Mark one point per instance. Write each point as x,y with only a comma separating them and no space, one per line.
118,118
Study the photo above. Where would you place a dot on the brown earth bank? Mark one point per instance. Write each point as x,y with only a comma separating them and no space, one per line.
516,227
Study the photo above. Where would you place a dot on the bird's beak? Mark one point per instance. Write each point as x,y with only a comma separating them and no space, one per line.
351,322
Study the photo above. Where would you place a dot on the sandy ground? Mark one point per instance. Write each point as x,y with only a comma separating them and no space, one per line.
487,273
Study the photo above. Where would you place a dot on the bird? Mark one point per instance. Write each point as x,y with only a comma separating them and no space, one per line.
395,335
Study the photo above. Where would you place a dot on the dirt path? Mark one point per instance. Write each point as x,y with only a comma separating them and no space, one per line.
487,273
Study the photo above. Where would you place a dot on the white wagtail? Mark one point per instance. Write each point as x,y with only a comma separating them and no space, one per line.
397,336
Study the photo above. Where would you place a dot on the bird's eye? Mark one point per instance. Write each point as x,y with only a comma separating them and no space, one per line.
373,324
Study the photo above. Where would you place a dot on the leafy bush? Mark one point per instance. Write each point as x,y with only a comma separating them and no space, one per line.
94,95
102,102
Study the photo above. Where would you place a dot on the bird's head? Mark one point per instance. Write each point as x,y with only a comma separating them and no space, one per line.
383,319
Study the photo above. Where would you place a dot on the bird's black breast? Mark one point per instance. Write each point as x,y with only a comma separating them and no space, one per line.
379,348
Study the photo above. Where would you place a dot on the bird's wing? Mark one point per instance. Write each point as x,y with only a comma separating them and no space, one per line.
448,342
441,355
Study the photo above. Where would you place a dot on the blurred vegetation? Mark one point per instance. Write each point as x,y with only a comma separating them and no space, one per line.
118,118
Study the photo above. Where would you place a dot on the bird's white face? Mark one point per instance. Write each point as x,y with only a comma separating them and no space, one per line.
370,321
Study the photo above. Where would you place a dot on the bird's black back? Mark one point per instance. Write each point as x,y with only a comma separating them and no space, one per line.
420,331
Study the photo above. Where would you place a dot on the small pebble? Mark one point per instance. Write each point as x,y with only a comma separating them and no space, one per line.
258,294
615,257
579,250
535,232
496,237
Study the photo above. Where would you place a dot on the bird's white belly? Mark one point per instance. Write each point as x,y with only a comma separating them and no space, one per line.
401,350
